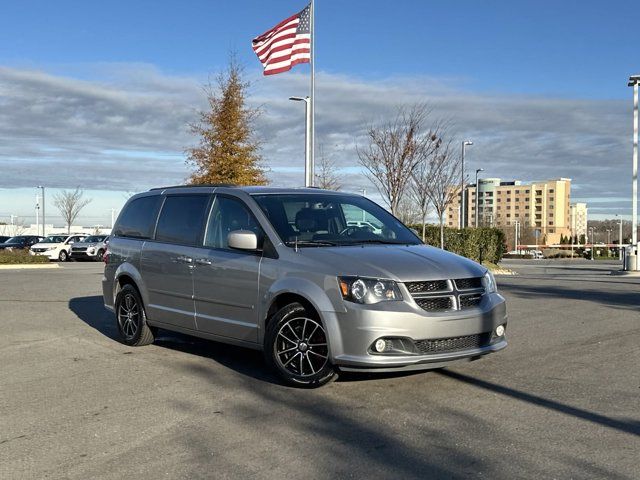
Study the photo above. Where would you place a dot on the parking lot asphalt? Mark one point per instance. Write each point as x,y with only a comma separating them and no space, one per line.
562,401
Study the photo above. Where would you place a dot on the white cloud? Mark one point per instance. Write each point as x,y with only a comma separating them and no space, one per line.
125,128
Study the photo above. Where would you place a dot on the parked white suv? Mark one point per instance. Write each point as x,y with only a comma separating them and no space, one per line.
56,247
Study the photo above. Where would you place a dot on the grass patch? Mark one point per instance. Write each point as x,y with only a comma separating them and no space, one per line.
15,257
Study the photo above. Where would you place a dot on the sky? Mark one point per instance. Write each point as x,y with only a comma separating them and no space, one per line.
98,95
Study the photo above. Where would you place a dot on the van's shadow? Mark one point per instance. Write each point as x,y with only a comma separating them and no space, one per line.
245,361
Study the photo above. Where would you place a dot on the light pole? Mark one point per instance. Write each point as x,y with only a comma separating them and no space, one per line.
619,238
43,218
478,170
517,225
37,214
308,164
634,80
592,242
608,236
462,222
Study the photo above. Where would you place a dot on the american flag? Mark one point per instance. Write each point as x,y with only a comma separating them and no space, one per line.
286,44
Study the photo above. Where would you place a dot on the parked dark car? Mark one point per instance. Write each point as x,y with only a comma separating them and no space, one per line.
20,242
3,238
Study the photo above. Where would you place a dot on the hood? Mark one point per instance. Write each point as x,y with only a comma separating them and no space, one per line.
13,245
404,263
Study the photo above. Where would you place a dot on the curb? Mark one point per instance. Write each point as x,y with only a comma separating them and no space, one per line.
28,266
504,272
624,273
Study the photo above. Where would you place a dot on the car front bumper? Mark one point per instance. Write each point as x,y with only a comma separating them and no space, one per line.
352,334
51,254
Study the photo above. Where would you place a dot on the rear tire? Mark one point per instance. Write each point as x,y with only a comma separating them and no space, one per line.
296,347
131,318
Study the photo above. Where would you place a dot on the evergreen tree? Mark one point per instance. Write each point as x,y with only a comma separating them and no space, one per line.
228,151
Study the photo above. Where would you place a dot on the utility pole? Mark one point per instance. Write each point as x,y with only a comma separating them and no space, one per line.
634,80
517,225
37,214
43,217
462,196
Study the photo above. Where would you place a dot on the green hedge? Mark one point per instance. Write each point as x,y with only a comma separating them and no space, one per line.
12,257
474,243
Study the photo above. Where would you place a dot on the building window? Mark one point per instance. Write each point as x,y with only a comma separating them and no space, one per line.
538,192
550,222
526,207
517,192
526,191
551,190
508,199
508,215
499,207
517,207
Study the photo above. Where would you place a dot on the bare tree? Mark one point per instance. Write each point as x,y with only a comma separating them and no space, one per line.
444,170
325,175
70,204
394,150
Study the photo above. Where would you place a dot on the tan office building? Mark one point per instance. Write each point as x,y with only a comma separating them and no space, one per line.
542,206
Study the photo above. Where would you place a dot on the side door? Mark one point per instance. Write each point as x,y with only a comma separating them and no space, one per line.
226,280
167,262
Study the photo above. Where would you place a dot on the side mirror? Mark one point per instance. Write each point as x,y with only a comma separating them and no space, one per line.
242,240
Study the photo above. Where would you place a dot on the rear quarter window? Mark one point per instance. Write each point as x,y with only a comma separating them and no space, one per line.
138,218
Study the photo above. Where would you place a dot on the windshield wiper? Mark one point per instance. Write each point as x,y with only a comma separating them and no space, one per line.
380,241
310,243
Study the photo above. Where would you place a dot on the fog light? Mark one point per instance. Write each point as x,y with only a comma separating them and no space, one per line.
380,345
499,330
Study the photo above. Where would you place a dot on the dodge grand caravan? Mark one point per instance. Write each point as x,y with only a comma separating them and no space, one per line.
288,271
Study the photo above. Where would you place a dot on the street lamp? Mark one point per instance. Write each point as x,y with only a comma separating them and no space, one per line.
308,164
43,219
462,205
634,80
592,242
478,194
619,238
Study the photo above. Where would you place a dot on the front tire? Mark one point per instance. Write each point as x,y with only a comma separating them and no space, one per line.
131,318
296,347
63,256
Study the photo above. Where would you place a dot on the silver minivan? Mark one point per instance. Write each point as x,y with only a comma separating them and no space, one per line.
301,275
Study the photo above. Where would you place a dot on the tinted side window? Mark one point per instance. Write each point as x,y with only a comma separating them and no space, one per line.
226,216
138,218
182,218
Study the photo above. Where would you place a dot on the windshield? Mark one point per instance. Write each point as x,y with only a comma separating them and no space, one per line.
327,220
93,239
18,239
54,239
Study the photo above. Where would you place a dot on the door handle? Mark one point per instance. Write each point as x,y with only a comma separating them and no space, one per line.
203,261
182,259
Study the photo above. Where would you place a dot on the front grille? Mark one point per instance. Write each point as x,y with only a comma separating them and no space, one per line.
427,287
435,304
469,301
39,250
441,345
78,249
468,283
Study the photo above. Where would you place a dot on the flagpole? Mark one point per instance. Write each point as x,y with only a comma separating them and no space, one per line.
313,93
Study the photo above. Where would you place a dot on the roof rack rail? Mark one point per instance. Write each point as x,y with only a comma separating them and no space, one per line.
230,185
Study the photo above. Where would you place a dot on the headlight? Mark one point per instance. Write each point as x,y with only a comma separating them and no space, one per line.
489,283
368,290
